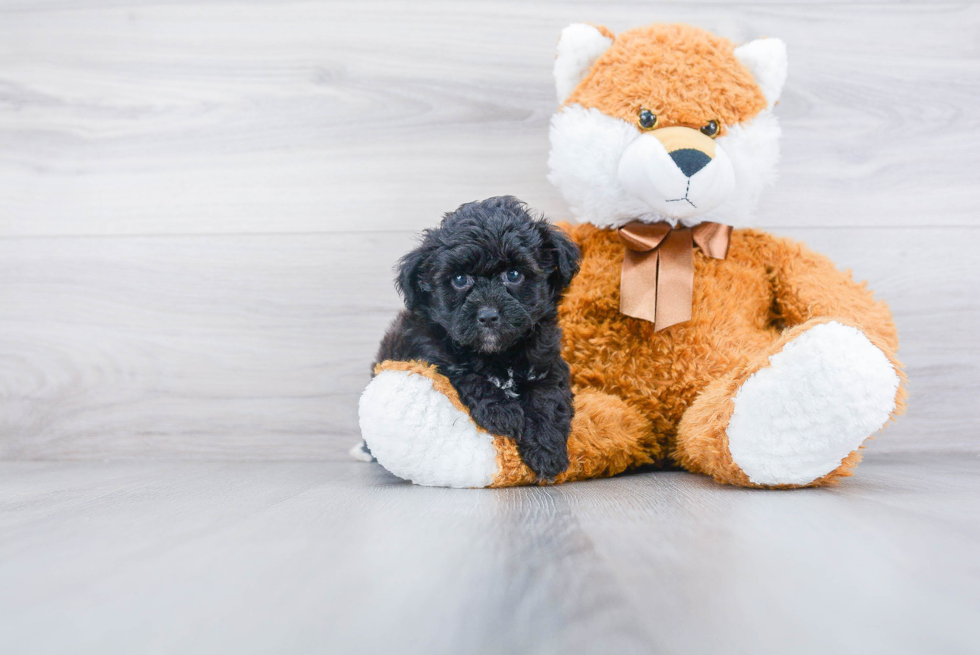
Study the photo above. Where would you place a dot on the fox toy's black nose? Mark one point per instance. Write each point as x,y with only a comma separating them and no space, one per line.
487,316
689,160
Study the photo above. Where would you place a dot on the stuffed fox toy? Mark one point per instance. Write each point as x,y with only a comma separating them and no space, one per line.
692,341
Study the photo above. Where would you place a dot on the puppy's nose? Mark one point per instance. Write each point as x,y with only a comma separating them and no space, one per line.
689,160
487,316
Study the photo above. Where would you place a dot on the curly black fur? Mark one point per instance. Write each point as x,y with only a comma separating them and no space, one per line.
481,294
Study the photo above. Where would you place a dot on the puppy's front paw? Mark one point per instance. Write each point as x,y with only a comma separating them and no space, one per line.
503,419
546,459
544,444
544,448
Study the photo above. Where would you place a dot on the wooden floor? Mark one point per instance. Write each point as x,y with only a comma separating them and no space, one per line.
200,204
341,557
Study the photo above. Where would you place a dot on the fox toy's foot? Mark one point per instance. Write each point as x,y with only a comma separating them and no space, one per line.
797,416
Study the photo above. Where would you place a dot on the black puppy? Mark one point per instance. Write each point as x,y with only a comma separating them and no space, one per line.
481,293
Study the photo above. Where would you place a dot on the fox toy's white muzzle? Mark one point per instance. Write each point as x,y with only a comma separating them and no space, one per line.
677,171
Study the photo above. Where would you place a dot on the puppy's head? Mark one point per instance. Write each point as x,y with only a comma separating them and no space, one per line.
489,273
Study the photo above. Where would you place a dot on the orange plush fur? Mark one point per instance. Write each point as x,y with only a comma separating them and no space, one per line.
685,76
741,308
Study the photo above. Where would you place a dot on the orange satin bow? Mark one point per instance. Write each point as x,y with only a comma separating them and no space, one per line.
657,282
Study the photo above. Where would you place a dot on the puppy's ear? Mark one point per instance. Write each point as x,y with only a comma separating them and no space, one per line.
409,281
564,254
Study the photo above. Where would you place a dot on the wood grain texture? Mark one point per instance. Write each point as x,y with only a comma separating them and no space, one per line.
212,117
340,557
256,347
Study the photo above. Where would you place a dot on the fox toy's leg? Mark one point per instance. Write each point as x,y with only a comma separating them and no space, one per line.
415,425
796,415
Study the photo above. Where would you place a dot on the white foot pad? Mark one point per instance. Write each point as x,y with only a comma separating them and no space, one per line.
825,393
416,433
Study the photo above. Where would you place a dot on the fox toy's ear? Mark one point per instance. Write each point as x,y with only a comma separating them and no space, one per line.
766,59
578,48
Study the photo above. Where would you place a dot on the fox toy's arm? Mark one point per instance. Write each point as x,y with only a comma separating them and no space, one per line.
807,286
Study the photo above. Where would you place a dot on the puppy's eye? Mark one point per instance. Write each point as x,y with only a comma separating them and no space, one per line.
461,281
711,129
513,277
647,119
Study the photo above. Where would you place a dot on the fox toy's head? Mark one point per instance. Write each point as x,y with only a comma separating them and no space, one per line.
664,123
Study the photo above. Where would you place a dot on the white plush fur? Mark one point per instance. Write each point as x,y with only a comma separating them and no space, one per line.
647,172
417,434
587,149
579,47
818,400
766,59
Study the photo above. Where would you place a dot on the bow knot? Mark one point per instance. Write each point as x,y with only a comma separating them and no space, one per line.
657,280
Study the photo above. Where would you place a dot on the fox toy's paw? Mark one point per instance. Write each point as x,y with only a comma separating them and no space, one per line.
415,426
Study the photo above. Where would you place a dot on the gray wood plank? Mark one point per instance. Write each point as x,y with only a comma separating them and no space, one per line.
270,116
294,558
256,347
340,557
733,571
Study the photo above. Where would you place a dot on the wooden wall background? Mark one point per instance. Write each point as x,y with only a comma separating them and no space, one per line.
200,202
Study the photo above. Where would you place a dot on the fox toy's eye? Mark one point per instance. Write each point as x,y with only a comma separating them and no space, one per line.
513,277
647,119
711,129
461,281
